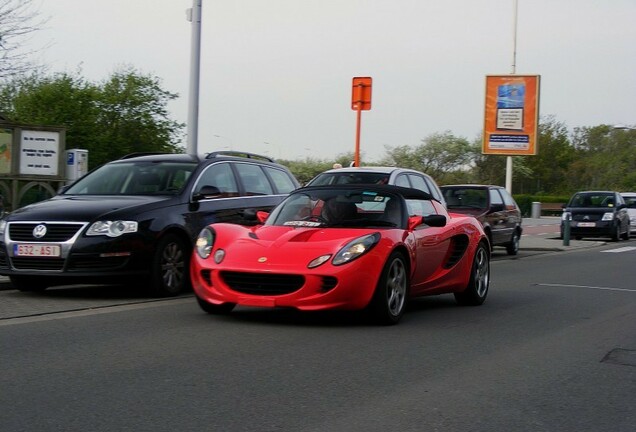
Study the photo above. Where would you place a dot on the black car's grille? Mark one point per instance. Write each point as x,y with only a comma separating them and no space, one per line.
77,263
3,258
587,217
55,232
262,284
31,263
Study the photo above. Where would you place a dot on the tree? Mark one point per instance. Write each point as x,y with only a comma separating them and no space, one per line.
443,156
18,19
126,113
549,166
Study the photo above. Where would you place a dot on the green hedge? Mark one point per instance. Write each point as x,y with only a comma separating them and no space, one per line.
525,201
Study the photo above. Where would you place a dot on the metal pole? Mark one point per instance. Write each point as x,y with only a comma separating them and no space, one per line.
566,230
195,66
513,71
356,156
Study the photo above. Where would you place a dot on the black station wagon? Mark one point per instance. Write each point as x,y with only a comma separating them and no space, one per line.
135,220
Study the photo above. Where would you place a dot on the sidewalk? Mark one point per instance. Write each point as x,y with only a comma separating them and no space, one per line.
552,243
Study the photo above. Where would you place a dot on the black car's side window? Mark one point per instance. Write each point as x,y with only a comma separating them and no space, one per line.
508,200
219,175
254,180
495,197
281,180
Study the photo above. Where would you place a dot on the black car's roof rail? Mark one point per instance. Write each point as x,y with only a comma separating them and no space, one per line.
238,154
137,154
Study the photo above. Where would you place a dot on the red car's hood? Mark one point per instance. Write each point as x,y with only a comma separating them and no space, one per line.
276,246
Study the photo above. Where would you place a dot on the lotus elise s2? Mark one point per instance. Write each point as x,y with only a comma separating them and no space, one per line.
349,247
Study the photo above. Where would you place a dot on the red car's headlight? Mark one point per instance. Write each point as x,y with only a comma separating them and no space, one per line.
204,243
356,248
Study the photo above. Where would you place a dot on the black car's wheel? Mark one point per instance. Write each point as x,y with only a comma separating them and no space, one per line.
389,299
616,235
170,267
222,309
513,247
477,288
29,283
625,235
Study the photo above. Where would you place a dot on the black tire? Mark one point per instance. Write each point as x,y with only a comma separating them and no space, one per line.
213,309
616,235
477,289
391,294
170,267
625,235
29,283
513,247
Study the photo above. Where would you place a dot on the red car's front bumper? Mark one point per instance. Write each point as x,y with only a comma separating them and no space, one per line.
349,286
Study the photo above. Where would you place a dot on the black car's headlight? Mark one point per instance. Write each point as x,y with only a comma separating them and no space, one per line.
356,248
608,216
3,226
112,228
204,243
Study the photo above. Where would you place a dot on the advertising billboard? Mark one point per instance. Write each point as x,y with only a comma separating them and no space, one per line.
511,116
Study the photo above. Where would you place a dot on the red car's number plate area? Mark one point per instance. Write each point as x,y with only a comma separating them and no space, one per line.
36,250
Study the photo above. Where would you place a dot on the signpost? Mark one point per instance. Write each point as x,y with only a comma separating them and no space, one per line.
360,101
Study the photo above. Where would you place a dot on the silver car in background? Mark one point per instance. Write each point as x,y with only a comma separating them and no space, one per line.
630,200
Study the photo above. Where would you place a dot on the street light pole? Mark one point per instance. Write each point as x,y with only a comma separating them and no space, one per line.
194,16
513,71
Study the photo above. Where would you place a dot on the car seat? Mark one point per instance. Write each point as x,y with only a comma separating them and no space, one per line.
393,212
338,211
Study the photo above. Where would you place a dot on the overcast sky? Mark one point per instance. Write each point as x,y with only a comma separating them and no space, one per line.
276,74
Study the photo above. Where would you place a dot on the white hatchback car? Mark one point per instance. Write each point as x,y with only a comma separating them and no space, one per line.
630,200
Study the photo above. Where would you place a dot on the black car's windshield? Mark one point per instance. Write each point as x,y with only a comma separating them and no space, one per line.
592,200
134,178
340,208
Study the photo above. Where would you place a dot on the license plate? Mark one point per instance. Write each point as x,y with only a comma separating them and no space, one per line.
586,224
36,250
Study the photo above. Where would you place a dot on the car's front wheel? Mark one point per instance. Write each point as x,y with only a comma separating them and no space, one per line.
389,299
28,283
170,266
616,235
513,247
477,288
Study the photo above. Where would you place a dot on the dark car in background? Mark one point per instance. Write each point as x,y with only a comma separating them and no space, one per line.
135,220
491,205
596,214
403,177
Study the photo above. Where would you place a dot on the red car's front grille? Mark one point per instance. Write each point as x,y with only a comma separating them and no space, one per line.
262,284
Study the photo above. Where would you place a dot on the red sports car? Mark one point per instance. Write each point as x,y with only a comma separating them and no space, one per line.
343,247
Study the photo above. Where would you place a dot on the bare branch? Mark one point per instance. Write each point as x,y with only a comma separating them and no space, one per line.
18,20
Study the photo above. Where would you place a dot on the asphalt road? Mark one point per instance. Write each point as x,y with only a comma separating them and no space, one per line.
552,349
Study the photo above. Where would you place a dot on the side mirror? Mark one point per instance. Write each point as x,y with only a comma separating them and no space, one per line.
430,220
253,215
434,220
206,192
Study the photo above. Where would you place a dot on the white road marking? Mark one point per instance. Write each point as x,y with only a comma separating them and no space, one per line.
623,249
586,286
